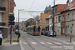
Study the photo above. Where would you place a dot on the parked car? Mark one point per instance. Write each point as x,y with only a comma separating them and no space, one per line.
51,33
42,32
46,33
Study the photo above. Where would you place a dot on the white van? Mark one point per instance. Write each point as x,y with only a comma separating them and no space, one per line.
51,33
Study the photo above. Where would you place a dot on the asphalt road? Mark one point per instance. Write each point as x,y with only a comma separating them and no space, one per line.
30,42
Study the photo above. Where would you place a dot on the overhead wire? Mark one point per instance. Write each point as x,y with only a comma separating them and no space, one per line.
32,4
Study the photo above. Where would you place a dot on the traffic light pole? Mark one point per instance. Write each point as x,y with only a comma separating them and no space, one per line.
11,35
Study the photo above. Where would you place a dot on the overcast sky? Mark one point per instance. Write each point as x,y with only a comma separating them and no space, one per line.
33,5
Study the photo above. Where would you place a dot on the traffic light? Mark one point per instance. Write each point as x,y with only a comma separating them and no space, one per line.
11,23
11,18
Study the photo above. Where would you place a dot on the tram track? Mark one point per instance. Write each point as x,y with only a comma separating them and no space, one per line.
41,44
24,36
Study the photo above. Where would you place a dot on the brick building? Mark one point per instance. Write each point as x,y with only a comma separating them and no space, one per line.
42,20
4,14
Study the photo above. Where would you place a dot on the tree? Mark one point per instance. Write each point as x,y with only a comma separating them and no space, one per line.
27,24
36,18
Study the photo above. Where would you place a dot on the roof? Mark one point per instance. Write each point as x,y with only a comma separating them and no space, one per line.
67,8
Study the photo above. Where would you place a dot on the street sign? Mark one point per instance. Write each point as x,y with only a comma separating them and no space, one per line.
11,18
11,23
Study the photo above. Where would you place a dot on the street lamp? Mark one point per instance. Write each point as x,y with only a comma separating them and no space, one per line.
18,17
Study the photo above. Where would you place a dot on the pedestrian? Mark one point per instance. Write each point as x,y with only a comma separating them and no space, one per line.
17,33
18,36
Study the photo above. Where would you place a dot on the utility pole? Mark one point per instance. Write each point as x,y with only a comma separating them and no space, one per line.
53,18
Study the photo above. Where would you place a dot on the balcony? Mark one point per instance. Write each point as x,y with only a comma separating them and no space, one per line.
2,23
2,9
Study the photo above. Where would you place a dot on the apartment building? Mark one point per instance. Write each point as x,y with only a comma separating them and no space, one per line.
57,18
49,22
42,20
4,14
70,19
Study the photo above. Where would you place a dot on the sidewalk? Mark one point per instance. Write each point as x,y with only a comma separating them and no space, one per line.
14,37
65,38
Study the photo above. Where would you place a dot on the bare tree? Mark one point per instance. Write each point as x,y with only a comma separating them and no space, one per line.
37,17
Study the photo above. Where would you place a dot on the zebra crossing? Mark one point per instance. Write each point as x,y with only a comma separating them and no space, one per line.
49,43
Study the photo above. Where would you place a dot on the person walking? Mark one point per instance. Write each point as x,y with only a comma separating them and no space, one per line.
17,33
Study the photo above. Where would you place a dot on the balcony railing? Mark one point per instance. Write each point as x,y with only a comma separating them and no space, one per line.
2,23
2,9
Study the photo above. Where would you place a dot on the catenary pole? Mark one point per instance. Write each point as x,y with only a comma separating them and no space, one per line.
53,18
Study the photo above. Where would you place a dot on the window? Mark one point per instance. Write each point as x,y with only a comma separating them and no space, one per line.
72,15
68,16
56,19
1,2
68,30
72,29
63,30
0,17
63,17
59,18
55,10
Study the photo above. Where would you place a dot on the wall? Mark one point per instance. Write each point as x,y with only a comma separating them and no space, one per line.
5,15
70,22
63,24
43,21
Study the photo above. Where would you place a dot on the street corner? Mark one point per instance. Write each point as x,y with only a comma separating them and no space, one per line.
7,43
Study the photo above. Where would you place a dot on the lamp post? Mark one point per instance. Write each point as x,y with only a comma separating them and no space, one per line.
18,17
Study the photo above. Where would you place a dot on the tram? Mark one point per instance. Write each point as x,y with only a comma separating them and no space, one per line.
34,30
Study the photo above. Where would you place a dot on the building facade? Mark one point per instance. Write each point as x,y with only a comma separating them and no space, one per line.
57,18
4,14
42,20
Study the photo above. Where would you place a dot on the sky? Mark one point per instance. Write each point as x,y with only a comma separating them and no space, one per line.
32,5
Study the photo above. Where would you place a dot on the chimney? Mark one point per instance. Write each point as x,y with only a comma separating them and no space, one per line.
69,2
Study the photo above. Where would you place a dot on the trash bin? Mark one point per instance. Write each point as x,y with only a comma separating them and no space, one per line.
0,41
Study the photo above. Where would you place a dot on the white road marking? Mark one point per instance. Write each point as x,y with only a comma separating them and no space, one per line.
42,42
57,43
33,42
14,43
49,43
67,43
73,42
22,48
24,43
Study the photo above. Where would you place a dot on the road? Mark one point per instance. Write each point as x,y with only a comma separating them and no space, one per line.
30,42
